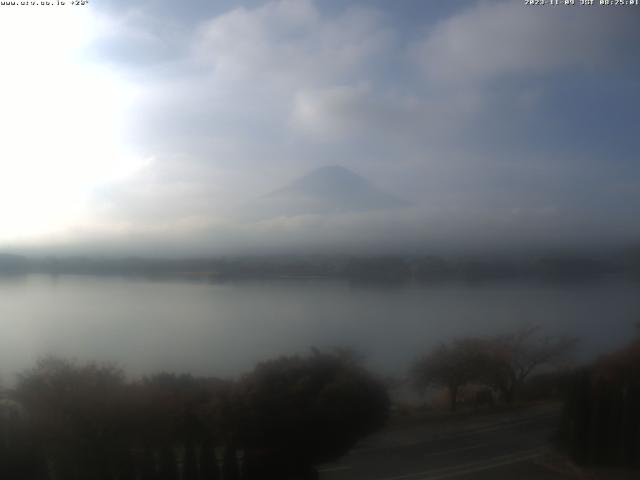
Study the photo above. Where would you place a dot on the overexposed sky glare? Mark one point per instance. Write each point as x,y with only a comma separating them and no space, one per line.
62,121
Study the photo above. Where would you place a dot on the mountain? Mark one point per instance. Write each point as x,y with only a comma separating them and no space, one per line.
325,190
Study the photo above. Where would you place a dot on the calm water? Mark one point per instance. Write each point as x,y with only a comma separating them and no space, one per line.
223,329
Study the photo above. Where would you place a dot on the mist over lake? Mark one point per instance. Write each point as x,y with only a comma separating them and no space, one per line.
223,329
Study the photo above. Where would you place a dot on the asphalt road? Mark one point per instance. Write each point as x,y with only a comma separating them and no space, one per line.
500,446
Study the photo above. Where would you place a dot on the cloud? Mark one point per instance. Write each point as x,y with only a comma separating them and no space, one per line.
291,42
440,231
224,107
345,111
133,40
494,40
491,116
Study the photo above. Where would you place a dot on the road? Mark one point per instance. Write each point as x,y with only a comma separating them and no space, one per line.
493,446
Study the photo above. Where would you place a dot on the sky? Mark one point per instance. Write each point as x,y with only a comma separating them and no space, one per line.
141,127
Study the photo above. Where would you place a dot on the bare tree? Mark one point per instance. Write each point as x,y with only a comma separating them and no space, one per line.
451,366
510,359
502,362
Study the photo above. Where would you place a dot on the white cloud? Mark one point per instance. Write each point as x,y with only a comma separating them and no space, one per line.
290,41
498,39
336,112
368,114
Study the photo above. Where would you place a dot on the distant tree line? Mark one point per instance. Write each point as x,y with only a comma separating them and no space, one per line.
364,268
69,421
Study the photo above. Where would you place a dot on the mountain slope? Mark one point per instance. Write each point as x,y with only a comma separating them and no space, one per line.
325,190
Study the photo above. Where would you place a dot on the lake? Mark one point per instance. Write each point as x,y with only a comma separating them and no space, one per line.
223,329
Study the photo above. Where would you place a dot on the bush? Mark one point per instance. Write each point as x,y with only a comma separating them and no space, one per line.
278,422
300,411
601,421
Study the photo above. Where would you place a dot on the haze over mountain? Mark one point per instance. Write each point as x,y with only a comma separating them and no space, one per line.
332,189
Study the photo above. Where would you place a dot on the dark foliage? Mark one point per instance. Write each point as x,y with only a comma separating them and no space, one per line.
601,421
71,421
552,385
303,410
